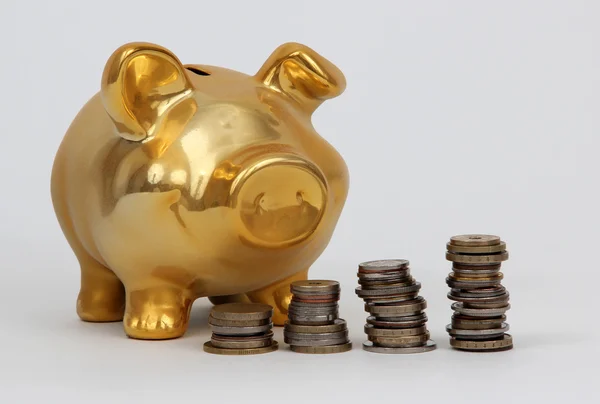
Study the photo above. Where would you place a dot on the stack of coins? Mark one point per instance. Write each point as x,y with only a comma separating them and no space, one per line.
241,329
313,324
478,323
397,321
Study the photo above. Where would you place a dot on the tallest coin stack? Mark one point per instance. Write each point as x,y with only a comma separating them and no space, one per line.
478,323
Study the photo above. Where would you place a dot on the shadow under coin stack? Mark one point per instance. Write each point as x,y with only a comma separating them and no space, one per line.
478,323
397,321
241,329
313,325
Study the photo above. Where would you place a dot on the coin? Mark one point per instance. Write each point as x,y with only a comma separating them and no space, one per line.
492,291
393,332
311,320
479,332
312,337
476,273
298,304
318,342
476,323
394,290
407,281
312,312
240,344
236,323
240,330
420,316
476,249
476,280
315,286
208,347
458,307
395,324
471,285
480,300
457,266
383,265
477,259
338,325
486,305
370,347
410,306
384,275
322,349
475,240
503,344
242,311
398,342
317,299
391,299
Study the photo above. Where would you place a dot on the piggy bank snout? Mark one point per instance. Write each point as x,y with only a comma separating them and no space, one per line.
280,200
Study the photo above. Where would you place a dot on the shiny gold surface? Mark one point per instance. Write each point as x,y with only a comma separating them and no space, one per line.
181,181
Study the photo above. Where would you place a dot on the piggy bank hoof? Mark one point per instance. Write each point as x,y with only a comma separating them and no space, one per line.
281,201
157,314
100,308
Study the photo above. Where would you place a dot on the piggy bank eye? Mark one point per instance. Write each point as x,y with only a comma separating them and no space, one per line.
198,71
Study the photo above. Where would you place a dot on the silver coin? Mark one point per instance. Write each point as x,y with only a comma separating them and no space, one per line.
383,265
393,332
375,276
311,320
477,323
420,316
458,307
306,313
404,281
313,310
322,342
240,330
479,292
476,272
391,299
388,290
370,347
295,303
312,337
395,324
483,332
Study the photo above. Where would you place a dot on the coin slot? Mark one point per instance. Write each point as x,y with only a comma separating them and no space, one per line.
198,71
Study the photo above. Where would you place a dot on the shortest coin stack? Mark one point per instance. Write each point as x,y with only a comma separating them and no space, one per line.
241,329
313,325
397,321
479,320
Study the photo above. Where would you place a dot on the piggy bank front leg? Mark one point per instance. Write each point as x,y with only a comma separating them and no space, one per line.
278,295
102,295
158,312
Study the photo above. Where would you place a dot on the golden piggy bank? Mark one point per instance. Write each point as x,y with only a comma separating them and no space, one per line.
181,181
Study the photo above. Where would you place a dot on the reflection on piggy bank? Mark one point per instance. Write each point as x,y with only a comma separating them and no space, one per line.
181,181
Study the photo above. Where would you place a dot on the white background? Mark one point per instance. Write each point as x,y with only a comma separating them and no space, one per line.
462,116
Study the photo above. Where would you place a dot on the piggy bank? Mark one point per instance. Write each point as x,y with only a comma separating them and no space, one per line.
176,182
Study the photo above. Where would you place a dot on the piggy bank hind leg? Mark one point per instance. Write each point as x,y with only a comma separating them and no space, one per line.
278,295
102,295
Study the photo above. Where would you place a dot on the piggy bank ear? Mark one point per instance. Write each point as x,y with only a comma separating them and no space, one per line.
140,84
302,74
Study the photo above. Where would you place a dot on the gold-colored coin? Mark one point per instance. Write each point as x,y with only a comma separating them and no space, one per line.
477,259
208,347
475,240
403,341
476,249
316,286
393,332
242,311
241,344
503,344
338,325
328,349
497,277
237,323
